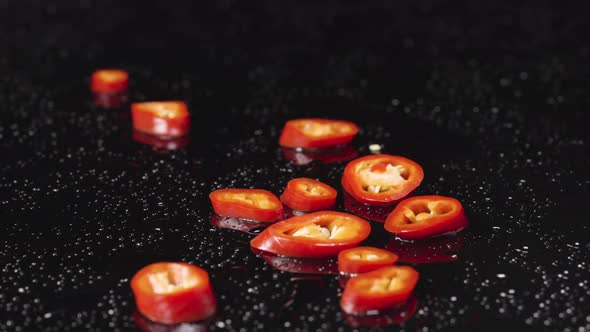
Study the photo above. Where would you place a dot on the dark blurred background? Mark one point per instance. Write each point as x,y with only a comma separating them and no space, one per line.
490,97
532,54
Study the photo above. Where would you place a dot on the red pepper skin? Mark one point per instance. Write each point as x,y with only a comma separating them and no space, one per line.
307,195
371,291
109,81
353,183
183,303
441,215
252,204
165,119
110,100
280,238
317,133
364,259
376,213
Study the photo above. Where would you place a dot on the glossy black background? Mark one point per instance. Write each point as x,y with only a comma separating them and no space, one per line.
491,99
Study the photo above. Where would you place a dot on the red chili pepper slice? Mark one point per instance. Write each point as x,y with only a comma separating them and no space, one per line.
161,118
425,216
317,234
317,133
381,179
378,290
364,259
173,293
303,194
109,81
369,212
252,204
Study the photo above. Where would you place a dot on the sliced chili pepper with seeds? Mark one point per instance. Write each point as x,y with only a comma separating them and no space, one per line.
381,179
161,118
317,234
252,204
317,133
303,194
364,259
425,216
378,290
173,293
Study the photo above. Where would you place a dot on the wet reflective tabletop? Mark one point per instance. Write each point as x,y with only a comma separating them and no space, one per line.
491,101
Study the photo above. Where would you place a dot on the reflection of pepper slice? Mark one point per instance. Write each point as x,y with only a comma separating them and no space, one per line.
324,155
318,234
173,293
252,204
381,179
378,290
317,133
424,216
395,316
370,212
109,81
364,259
441,249
161,118
302,265
147,325
303,194
158,143
110,100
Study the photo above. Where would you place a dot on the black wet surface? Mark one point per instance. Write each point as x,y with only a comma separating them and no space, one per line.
491,100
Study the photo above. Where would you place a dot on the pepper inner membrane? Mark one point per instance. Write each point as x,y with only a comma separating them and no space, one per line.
382,284
255,199
363,255
112,75
420,211
319,129
163,110
311,189
382,176
335,229
171,279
